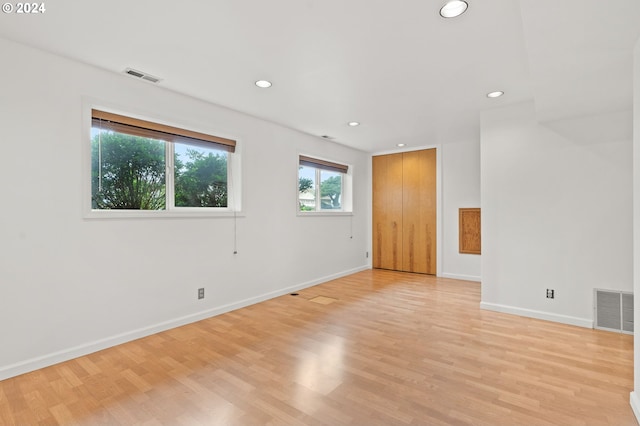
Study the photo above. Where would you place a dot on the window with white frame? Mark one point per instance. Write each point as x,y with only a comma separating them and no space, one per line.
142,165
323,186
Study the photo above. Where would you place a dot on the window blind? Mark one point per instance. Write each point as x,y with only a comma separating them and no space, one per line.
149,129
322,164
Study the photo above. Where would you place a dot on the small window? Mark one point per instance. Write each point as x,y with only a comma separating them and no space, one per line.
322,185
141,165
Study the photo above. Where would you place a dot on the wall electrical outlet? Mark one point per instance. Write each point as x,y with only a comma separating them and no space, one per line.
366,254
550,293
201,293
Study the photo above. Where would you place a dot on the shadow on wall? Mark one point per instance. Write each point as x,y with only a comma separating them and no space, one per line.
595,129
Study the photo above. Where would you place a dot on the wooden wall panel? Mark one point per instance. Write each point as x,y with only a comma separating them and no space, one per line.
419,211
469,230
387,211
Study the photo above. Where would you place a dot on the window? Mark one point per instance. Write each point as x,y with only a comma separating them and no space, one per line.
141,165
322,185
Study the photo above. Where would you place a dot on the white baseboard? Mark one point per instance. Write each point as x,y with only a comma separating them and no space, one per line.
32,364
461,277
634,399
548,316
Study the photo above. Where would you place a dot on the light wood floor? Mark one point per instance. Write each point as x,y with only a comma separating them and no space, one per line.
392,349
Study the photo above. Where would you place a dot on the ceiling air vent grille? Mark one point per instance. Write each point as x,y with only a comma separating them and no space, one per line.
142,75
613,311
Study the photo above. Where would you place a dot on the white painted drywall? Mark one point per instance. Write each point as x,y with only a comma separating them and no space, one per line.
461,189
71,285
635,395
556,213
458,178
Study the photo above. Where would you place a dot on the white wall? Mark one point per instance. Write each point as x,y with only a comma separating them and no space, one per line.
71,285
556,213
461,188
635,395
458,177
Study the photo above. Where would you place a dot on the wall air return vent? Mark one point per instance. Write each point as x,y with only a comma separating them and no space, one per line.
613,310
142,75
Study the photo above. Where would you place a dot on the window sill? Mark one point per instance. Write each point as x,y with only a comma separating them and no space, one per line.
327,213
160,214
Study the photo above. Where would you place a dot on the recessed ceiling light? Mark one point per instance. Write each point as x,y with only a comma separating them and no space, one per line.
401,144
495,94
263,84
453,8
354,123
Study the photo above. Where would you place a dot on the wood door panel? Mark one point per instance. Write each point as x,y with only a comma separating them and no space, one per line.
419,211
404,211
387,212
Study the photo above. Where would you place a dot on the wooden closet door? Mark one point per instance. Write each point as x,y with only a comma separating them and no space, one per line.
419,211
387,211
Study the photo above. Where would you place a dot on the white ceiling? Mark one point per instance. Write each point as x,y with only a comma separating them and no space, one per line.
408,75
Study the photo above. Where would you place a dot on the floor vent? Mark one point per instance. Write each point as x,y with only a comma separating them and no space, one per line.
323,300
613,310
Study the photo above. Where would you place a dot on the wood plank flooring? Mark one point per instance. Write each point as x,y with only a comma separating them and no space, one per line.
392,349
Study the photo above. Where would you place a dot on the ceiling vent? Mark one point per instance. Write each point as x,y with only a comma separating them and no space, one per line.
614,311
142,75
